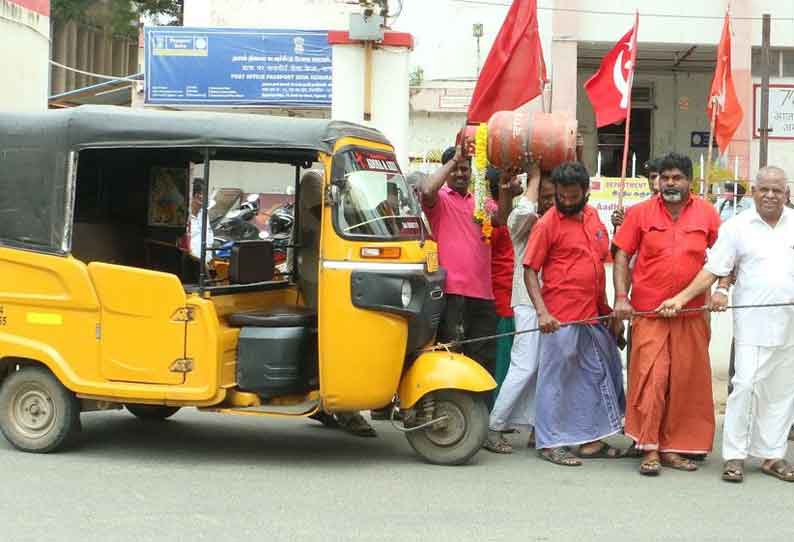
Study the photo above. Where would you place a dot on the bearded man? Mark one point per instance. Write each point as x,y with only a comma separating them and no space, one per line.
579,395
670,408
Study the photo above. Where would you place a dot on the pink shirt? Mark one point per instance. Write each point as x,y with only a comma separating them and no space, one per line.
461,249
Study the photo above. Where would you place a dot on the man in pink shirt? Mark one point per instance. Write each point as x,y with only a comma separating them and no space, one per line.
464,254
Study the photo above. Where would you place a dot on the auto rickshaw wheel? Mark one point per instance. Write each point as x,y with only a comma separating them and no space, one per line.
37,413
155,413
461,435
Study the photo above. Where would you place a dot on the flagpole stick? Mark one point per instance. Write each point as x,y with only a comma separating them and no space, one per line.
625,156
714,106
622,188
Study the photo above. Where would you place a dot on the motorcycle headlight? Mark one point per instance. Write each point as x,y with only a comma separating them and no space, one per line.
406,293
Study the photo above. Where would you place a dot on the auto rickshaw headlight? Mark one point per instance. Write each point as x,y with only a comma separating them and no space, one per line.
406,293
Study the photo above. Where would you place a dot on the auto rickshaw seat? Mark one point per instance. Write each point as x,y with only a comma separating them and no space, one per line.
279,316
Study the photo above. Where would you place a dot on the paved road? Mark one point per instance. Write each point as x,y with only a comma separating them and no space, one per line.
213,477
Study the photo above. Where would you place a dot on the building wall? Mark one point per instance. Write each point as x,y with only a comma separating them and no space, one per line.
24,42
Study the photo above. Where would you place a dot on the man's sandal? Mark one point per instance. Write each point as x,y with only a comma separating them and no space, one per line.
560,456
605,451
733,471
497,443
780,469
675,461
650,467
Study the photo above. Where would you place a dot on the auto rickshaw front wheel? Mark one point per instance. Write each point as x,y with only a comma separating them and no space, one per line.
37,413
152,413
456,439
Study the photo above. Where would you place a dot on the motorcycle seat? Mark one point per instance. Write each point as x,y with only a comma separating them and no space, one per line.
280,316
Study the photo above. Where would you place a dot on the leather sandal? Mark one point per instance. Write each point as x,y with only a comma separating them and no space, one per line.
733,471
651,467
560,456
780,469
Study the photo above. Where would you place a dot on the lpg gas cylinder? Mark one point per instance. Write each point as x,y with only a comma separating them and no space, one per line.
550,137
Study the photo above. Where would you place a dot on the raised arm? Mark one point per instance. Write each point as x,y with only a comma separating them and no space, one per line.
525,214
433,183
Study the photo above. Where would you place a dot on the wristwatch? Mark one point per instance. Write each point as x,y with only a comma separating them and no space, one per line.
721,290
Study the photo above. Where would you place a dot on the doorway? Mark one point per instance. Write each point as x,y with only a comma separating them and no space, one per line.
611,139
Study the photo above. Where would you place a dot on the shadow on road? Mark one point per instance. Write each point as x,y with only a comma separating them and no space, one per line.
192,437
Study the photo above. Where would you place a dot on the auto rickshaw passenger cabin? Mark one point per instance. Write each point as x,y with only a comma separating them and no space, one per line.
101,307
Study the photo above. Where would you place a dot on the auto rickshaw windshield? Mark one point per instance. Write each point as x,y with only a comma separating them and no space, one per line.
376,201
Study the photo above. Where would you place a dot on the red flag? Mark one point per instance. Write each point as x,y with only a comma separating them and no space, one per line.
609,90
514,71
729,111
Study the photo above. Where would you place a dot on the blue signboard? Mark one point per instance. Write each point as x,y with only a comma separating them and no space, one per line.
225,66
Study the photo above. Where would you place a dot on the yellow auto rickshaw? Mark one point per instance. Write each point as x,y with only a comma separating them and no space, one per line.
101,307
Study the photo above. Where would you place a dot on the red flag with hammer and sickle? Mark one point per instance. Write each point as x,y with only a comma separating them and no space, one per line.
609,90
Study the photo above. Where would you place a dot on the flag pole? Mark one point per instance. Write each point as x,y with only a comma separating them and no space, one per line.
714,106
633,57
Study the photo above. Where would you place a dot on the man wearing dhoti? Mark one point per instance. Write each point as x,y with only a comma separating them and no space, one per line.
759,244
670,408
579,396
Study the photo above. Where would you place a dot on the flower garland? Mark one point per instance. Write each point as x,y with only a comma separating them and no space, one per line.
481,188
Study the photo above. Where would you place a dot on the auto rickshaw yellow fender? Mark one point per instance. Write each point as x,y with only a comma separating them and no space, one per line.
442,370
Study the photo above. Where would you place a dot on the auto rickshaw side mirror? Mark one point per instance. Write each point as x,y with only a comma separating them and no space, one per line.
333,194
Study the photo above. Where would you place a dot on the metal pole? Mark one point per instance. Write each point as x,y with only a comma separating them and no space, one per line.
763,152
204,212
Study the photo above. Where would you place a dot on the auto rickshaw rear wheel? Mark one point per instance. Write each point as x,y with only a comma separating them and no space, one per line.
37,413
455,440
152,412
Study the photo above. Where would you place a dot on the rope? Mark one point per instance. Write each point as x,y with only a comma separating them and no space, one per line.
454,344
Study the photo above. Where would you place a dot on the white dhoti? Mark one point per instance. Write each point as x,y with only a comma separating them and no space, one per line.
760,409
515,406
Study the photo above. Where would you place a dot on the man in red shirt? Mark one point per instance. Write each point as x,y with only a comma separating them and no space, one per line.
670,406
579,396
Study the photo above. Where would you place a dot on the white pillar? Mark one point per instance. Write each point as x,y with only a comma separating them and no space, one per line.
390,94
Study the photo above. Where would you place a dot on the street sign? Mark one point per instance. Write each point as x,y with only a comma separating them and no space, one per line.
228,67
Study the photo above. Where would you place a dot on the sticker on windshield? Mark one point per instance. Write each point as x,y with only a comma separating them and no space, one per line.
376,161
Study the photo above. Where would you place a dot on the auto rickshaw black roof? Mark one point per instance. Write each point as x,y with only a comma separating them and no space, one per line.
109,126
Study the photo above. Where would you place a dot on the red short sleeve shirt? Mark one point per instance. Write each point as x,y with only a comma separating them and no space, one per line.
669,253
570,253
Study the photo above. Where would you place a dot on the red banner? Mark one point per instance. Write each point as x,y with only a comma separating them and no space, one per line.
39,6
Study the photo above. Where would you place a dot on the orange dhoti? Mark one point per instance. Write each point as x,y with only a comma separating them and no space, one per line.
670,406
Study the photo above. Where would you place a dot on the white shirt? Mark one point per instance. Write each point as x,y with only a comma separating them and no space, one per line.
518,224
764,258
195,237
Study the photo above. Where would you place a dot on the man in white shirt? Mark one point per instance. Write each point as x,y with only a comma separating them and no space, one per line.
759,244
196,212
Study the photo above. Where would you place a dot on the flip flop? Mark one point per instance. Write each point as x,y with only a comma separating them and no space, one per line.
560,456
675,461
780,469
651,468
604,452
733,471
